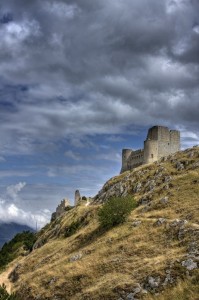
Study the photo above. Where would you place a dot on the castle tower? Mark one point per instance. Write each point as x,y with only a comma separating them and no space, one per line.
152,141
126,153
160,142
174,141
150,151
77,197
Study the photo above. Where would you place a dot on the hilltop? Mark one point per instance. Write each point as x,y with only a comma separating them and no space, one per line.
153,255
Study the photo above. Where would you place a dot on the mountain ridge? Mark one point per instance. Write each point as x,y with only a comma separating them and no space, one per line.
9,230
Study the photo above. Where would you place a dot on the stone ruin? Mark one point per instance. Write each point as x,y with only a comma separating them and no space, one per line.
65,205
78,197
61,208
81,200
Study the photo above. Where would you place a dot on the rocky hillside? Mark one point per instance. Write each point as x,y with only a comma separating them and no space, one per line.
154,255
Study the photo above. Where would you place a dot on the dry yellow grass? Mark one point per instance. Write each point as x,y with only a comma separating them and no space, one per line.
93,264
184,290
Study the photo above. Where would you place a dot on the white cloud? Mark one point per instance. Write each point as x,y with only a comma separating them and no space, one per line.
60,9
13,34
72,155
11,213
11,173
111,156
114,139
2,201
51,173
196,29
173,6
188,138
13,190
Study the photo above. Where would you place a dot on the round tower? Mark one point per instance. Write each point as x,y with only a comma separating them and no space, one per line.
150,151
125,156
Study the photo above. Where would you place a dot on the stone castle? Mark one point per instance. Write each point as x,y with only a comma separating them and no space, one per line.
160,142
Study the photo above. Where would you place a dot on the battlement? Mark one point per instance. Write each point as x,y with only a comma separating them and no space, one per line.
160,141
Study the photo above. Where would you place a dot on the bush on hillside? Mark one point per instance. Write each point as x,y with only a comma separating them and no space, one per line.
75,226
4,294
70,230
115,211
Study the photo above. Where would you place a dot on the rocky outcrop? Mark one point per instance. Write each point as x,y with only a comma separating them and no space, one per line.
148,179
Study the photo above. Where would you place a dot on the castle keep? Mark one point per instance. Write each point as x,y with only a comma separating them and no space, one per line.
160,142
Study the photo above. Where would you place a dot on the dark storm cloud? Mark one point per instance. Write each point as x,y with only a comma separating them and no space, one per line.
78,80
97,67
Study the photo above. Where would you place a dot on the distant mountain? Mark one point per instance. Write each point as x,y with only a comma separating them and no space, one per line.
9,230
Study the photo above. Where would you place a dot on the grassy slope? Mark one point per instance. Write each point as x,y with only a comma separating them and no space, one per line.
109,264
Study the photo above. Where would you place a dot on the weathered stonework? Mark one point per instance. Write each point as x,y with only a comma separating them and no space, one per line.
61,208
160,142
78,197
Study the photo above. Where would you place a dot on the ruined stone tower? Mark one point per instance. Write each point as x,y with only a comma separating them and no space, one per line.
160,142
77,197
61,208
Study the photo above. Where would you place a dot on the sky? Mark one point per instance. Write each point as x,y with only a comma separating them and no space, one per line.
79,81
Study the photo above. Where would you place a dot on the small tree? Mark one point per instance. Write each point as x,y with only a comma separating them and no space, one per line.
115,211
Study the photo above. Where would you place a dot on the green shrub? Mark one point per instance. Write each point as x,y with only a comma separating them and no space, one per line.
4,294
67,208
70,230
115,211
9,251
75,226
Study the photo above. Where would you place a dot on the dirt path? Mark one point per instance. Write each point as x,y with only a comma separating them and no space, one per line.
4,279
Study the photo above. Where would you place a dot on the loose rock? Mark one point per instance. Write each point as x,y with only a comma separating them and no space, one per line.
160,221
189,264
75,257
164,200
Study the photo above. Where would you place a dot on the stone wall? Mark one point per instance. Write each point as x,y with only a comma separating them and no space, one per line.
136,158
174,141
131,159
61,208
125,159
